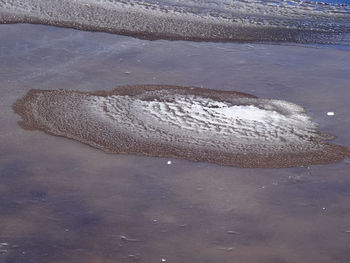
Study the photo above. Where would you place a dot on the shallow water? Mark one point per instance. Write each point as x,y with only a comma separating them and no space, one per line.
62,201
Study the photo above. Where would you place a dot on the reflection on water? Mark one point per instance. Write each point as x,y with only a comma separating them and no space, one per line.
62,201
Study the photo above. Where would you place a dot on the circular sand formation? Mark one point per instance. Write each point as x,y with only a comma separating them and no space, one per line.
216,20
223,127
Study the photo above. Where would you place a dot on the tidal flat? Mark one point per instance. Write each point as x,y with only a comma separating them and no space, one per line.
196,124
63,201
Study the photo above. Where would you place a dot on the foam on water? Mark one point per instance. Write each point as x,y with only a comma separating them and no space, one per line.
228,128
241,20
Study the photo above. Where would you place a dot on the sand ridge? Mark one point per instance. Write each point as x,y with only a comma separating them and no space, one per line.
227,128
218,20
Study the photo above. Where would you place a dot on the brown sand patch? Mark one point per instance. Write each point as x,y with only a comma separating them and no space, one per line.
227,128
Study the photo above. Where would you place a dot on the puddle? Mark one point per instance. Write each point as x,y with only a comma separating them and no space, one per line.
62,201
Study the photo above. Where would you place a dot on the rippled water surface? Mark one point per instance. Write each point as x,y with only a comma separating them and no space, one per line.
62,201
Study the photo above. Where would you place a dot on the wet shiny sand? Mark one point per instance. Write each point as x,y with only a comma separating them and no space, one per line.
217,20
196,124
62,201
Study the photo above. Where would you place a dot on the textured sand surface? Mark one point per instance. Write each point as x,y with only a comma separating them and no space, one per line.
222,127
243,20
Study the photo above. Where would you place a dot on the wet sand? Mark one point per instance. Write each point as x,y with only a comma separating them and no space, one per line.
196,124
217,20
62,201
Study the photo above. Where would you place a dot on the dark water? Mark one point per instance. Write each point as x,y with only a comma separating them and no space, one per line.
62,201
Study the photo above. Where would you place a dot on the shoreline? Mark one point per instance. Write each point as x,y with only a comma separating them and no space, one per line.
133,19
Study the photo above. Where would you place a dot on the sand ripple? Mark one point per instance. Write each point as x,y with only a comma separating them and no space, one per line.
227,128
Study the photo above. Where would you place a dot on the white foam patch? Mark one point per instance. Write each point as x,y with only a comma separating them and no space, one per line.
202,121
250,113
